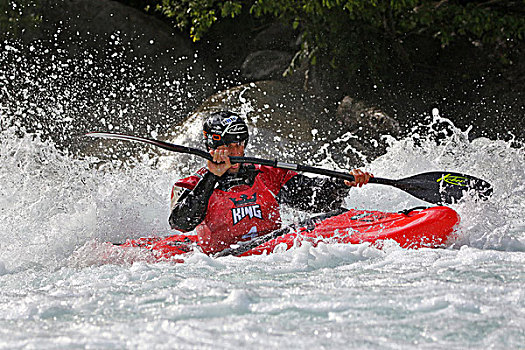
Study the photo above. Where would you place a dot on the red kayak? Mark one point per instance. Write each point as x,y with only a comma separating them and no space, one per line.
411,229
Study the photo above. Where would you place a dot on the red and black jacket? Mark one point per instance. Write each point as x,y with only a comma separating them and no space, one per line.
238,207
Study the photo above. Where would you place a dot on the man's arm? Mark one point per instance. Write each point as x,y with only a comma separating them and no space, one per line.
191,205
313,194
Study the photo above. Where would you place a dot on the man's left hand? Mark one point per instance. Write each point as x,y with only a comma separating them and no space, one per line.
361,178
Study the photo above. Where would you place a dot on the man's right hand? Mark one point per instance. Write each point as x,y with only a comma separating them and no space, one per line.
221,162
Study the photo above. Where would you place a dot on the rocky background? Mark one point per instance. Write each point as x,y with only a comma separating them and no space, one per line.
169,79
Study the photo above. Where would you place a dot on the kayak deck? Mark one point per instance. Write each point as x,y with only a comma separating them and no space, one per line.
430,228
411,229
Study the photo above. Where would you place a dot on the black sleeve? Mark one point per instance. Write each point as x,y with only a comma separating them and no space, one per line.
313,194
191,208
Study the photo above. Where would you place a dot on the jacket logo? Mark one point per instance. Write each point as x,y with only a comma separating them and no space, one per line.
252,211
244,200
245,206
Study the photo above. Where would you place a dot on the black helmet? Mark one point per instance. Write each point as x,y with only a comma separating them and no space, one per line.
224,127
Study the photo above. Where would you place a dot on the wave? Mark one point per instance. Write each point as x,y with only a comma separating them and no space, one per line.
52,202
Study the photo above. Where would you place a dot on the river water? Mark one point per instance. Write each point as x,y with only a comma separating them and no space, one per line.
56,290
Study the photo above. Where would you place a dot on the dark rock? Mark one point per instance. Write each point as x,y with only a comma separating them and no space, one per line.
110,31
100,24
282,119
286,123
358,117
267,64
276,37
367,124
317,79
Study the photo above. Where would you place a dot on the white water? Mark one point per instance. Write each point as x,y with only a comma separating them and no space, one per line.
57,210
54,294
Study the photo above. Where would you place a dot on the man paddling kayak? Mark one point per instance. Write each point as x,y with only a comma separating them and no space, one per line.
231,203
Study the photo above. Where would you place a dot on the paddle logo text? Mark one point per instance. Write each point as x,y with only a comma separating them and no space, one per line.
245,208
453,180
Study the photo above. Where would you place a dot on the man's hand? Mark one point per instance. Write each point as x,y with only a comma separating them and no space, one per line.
221,161
361,178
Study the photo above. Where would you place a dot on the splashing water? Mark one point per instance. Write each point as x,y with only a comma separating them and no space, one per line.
53,203
46,91
57,210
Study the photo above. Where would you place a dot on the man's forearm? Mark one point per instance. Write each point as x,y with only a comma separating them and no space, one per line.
190,210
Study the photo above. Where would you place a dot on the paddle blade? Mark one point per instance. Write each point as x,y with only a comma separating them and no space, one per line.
444,187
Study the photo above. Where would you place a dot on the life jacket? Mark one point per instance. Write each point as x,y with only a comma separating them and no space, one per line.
242,212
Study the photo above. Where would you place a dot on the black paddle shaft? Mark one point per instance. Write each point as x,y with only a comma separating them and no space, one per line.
434,187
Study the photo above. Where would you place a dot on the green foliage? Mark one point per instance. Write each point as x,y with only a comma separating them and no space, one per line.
368,29
17,15
197,15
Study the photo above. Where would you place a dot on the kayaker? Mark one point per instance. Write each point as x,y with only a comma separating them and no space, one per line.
232,203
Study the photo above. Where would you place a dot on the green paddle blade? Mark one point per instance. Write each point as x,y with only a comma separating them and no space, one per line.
444,187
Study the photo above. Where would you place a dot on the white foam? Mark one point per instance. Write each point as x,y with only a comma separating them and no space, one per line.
3,270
